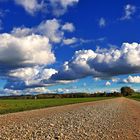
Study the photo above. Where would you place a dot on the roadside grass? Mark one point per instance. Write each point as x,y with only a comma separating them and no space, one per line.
135,96
17,105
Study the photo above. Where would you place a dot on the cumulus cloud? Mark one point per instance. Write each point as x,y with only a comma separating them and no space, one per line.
32,75
56,7
107,83
102,22
37,90
21,31
28,91
59,7
96,79
129,11
68,27
132,79
9,92
53,29
27,50
70,41
31,6
76,68
103,64
115,80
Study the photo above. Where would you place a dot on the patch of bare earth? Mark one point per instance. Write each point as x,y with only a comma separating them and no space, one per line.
113,119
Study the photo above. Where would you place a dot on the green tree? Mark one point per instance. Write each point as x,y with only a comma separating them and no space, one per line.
126,91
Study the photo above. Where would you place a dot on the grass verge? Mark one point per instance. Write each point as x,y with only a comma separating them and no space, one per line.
135,96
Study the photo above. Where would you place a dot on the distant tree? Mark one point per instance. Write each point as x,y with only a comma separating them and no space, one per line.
126,91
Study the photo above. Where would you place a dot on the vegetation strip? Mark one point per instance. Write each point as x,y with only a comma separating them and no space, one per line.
13,105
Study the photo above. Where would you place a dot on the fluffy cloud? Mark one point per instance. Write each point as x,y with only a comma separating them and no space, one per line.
37,90
76,68
31,6
59,7
132,79
129,12
103,63
53,29
28,50
69,41
107,83
9,92
68,27
115,80
32,75
102,22
21,31
28,91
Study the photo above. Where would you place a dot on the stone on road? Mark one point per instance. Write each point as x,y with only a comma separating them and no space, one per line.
112,119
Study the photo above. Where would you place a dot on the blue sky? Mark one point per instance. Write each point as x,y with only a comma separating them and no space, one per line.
69,46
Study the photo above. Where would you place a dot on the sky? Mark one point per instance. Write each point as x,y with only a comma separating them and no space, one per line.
64,46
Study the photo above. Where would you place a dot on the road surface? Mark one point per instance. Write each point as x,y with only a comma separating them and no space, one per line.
112,119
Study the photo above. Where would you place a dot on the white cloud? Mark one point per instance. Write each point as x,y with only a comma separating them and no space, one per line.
37,90
52,29
28,91
32,49
107,83
32,75
60,6
96,79
57,7
10,92
66,3
21,31
69,41
102,22
29,49
68,27
132,79
129,11
115,80
102,64
31,6
77,67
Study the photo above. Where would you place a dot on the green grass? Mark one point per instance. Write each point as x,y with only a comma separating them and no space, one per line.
135,96
16,105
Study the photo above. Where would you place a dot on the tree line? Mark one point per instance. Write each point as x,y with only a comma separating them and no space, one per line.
124,91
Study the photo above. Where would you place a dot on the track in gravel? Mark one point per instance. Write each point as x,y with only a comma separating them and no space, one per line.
113,119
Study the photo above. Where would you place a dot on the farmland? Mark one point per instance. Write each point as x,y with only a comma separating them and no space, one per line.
135,96
16,105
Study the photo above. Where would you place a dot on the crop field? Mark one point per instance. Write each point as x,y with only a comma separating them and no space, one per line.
16,105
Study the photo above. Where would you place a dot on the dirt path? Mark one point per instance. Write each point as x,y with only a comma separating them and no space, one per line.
113,119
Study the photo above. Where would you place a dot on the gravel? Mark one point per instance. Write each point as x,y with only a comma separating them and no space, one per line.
112,119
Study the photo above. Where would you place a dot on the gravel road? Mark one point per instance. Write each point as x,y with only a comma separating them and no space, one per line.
112,119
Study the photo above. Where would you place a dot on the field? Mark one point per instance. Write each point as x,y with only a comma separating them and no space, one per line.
135,96
16,105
